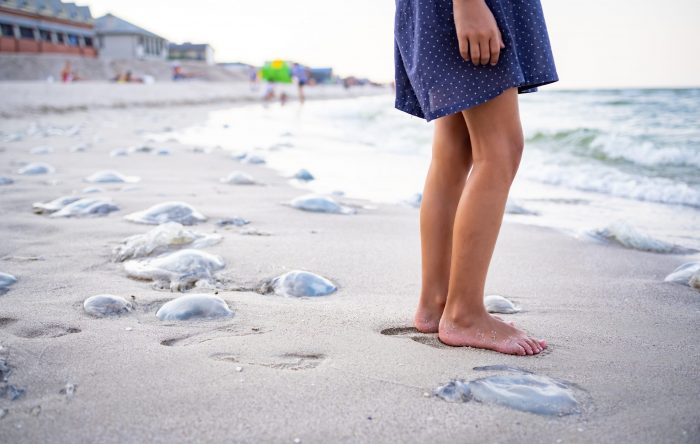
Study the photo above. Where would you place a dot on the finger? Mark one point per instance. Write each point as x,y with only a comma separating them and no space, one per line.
500,40
474,51
495,50
464,49
485,52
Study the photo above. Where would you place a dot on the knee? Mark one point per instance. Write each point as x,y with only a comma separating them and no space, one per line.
502,159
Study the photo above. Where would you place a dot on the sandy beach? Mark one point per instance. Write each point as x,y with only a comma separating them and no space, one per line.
340,368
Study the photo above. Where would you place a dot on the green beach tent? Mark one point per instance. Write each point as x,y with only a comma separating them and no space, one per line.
277,71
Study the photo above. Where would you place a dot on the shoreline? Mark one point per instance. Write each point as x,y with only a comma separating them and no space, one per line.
334,368
23,99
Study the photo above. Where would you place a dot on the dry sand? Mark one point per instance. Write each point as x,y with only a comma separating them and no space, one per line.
316,370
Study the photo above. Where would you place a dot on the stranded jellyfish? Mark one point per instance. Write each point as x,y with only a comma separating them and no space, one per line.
238,178
686,274
87,207
170,235
110,176
161,213
320,204
179,270
304,175
194,306
103,305
37,168
298,283
498,304
524,392
54,205
4,180
6,280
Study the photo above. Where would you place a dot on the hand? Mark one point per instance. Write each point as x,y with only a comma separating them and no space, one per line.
479,38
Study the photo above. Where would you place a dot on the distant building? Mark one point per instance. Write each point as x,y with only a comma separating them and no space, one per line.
46,26
202,52
119,39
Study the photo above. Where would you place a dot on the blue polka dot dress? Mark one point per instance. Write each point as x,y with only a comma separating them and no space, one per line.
432,79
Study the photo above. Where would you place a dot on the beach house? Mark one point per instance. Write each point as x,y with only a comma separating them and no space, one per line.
46,26
120,39
202,52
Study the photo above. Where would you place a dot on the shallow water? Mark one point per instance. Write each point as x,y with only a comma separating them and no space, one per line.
6,281
590,157
298,283
102,305
238,178
194,306
498,304
524,392
110,176
625,235
319,204
177,271
165,237
86,207
34,169
161,213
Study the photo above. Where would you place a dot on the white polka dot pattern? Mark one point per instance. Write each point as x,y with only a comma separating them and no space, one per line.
432,79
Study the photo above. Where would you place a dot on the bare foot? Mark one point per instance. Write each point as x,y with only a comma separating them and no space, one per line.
427,318
486,331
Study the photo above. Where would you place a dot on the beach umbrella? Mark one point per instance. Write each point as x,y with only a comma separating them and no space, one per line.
276,71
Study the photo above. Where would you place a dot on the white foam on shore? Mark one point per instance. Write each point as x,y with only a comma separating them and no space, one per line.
625,235
686,274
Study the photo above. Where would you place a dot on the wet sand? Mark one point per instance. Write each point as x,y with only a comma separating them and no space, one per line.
337,368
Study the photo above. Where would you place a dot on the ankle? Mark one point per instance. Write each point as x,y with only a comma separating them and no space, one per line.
433,298
463,316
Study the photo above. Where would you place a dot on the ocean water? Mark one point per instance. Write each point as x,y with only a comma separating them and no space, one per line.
630,158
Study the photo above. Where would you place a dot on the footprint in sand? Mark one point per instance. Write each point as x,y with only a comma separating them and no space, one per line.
45,331
208,335
411,333
286,361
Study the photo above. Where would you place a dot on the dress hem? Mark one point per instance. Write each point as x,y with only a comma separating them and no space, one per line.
523,88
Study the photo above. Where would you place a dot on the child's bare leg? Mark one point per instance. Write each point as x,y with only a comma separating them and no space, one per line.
497,143
451,160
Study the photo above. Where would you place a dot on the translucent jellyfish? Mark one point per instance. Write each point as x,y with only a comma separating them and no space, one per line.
163,152
167,236
54,205
91,190
238,178
4,180
498,304
167,212
180,270
625,235
454,391
41,150
686,274
320,204
81,148
304,175
252,159
298,283
110,176
87,207
513,207
6,281
235,221
145,149
524,392
194,306
103,305
37,168
119,152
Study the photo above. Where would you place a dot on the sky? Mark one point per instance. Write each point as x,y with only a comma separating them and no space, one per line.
596,43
